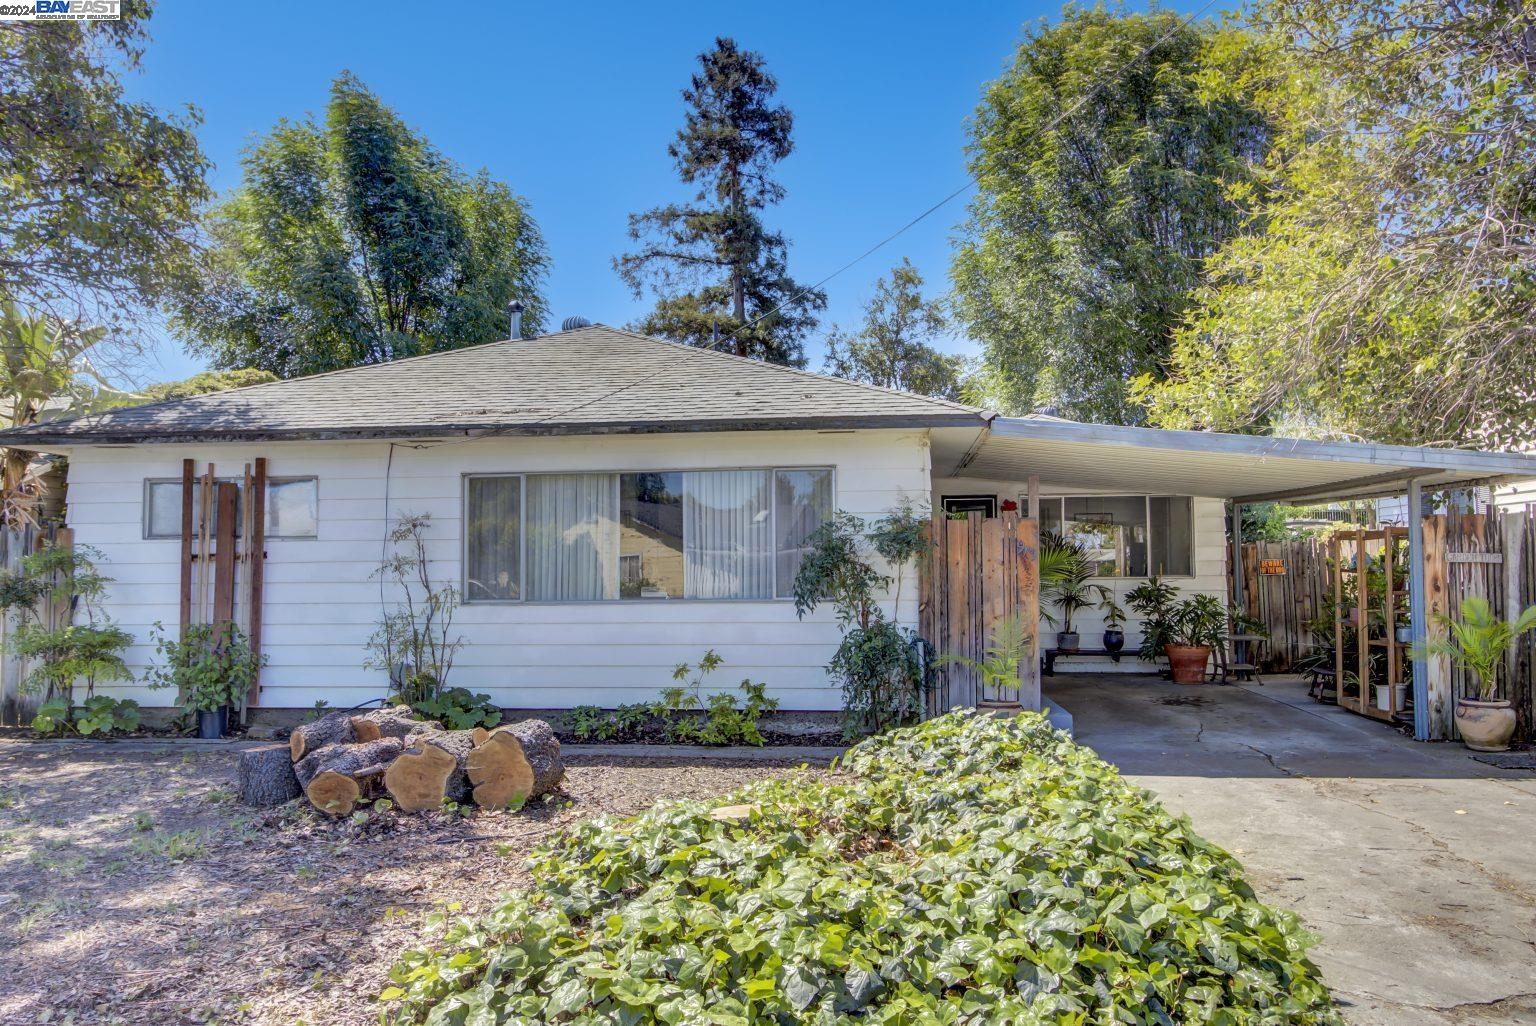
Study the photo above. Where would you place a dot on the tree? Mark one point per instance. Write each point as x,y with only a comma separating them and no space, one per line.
1091,223
100,197
1392,292
356,242
715,269
205,383
892,348
45,374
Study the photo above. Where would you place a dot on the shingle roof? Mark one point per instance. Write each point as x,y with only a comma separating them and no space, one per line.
589,380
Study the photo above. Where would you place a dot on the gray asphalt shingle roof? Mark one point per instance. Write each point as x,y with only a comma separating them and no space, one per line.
594,379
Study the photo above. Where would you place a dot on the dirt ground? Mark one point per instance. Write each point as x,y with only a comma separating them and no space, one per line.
135,889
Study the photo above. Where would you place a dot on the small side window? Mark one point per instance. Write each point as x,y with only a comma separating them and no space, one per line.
292,508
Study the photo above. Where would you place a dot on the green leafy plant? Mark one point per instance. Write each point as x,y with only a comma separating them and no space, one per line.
1152,600
970,870
454,708
591,723
1007,650
901,539
1478,640
717,719
876,663
102,714
1068,580
1114,615
211,666
1199,620
414,642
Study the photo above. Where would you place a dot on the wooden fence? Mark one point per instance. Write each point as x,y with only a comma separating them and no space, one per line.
1492,555
979,573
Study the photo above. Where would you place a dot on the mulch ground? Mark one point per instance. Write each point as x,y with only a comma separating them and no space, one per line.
135,889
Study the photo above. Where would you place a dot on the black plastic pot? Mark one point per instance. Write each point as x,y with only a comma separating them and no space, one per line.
212,724
1114,639
1066,641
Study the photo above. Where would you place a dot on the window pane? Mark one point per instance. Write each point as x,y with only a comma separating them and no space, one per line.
650,536
728,525
1113,530
491,547
802,500
165,509
1173,533
572,523
1050,515
291,509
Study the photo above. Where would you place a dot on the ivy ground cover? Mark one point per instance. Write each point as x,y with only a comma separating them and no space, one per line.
969,870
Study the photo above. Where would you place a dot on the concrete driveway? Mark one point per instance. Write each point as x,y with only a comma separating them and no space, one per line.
1415,863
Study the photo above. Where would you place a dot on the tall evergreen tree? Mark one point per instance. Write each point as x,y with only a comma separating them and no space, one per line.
713,266
1104,175
892,348
354,242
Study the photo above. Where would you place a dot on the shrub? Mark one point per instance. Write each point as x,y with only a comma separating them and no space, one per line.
969,870
454,708
211,666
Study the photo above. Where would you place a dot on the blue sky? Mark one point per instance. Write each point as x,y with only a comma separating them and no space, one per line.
573,105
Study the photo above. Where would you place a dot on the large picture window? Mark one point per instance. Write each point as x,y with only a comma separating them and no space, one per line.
643,536
1127,535
292,507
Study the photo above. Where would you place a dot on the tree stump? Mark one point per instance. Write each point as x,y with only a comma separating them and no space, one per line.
514,763
396,721
266,775
331,729
430,770
337,776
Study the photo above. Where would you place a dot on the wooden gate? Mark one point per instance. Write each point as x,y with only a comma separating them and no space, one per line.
981,572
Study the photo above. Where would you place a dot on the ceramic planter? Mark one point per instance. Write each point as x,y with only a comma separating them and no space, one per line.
1404,634
211,724
1114,639
1485,726
1066,641
1186,663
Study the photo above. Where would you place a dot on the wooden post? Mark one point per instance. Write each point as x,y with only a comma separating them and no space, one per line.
1034,500
1363,619
1027,562
224,556
958,606
188,486
1512,529
1438,702
256,547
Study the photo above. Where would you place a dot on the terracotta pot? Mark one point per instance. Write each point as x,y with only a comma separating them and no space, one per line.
1485,726
1186,663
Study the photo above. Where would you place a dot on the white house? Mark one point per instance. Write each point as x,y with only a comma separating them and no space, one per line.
612,505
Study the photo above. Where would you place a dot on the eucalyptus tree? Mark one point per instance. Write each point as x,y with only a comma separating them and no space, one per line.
354,241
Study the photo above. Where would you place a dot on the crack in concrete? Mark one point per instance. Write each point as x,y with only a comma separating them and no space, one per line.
1272,761
1449,1009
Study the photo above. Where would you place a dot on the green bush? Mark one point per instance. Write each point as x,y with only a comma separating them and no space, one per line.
968,870
454,708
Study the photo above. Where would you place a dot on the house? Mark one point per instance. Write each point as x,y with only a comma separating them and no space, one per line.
611,505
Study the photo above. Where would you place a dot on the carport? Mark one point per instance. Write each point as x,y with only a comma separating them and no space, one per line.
1240,469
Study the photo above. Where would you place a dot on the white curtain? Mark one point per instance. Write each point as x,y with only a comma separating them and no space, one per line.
727,534
572,524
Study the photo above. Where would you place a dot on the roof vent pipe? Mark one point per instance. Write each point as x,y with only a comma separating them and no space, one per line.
515,313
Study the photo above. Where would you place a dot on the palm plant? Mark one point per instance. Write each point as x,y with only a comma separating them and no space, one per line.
1478,641
1006,652
1068,579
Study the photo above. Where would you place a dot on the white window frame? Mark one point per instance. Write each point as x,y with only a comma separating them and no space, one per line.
1061,518
150,482
522,535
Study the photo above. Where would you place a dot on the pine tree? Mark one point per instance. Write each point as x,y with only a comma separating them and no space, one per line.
716,270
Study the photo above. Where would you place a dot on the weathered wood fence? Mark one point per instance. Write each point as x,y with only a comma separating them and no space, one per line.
1492,555
18,705
979,573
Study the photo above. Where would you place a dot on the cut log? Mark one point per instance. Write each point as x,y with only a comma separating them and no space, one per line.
266,775
431,769
395,721
337,776
331,729
514,763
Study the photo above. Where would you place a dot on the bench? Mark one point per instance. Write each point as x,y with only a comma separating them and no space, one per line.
1049,656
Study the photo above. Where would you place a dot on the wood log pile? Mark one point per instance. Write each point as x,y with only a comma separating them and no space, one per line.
342,759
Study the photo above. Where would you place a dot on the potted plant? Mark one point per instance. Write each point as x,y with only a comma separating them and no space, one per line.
211,666
1478,641
1152,600
1194,627
1114,623
1067,580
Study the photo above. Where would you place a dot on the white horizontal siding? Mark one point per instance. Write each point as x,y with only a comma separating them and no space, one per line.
1210,577
321,604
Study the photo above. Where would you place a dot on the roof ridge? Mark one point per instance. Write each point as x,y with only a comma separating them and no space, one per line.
795,370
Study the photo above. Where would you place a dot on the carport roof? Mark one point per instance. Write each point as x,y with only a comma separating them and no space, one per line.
1251,468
